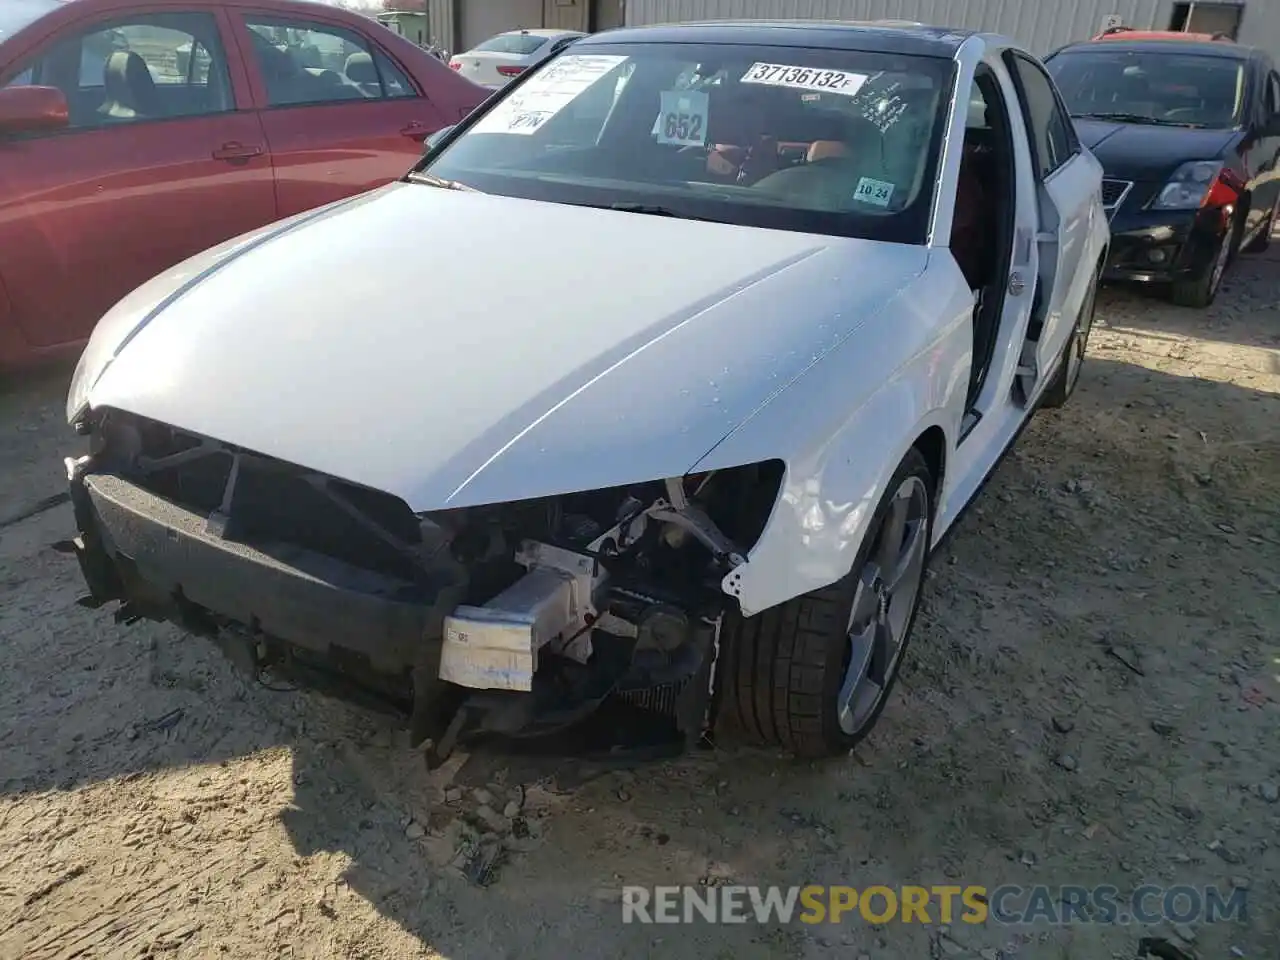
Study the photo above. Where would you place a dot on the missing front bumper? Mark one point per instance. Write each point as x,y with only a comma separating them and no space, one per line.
361,636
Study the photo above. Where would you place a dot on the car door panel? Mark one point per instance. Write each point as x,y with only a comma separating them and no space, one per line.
1067,186
1262,156
1024,266
93,211
332,132
1072,191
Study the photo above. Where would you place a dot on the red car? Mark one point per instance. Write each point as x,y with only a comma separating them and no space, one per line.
135,133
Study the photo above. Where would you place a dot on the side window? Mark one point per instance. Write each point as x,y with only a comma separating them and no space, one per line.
22,80
395,85
976,118
153,67
1273,94
304,62
1053,137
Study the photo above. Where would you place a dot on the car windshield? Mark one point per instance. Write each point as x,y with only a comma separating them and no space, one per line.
16,14
823,141
1174,89
517,43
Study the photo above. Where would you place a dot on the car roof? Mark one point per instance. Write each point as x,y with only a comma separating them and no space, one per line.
318,6
541,32
1121,33
896,37
1209,48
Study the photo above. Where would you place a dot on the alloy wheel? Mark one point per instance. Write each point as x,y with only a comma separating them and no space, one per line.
888,585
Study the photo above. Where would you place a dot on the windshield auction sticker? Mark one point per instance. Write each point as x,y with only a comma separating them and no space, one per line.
683,118
878,192
805,78
546,93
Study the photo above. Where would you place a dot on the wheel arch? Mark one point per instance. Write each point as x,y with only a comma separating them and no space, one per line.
824,507
932,444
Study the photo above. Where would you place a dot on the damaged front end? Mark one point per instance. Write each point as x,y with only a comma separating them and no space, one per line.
515,619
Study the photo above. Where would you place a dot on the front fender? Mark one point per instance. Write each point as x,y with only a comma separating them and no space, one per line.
841,455
822,516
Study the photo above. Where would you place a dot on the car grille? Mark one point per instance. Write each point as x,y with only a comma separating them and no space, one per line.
277,504
1113,194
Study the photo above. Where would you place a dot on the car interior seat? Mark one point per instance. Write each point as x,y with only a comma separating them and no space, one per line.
361,71
973,224
843,149
129,89
825,149
279,72
743,147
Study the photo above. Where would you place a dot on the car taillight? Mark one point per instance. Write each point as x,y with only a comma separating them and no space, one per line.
455,64
510,70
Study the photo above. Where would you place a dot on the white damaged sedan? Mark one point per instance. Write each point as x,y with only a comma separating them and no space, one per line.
711,332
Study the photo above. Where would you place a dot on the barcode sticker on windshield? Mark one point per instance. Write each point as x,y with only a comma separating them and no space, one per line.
683,118
878,192
546,93
805,78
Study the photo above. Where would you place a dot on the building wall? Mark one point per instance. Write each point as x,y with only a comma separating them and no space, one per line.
566,14
481,19
1260,26
442,26
461,24
1043,25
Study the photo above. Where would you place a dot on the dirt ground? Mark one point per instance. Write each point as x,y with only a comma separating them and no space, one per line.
1091,697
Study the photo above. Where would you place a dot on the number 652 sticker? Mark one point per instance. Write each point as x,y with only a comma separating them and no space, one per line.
682,119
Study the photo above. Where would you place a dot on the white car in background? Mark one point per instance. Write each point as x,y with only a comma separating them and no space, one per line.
501,59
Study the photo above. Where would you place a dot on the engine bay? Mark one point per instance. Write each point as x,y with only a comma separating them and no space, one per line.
616,595
516,619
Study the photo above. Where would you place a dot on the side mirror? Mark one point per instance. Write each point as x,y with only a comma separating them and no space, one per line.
430,143
27,109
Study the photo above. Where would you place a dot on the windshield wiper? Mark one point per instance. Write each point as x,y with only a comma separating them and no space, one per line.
1131,118
431,180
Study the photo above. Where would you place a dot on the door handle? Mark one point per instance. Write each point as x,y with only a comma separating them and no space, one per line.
236,152
415,131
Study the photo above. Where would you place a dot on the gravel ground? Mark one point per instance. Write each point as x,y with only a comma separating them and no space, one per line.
1091,697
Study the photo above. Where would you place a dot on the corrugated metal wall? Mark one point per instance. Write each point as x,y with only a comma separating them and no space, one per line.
1040,24
441,27
1260,26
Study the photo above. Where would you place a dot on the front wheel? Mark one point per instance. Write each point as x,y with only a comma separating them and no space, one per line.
1200,291
812,675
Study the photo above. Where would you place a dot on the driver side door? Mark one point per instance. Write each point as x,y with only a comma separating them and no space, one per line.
1068,179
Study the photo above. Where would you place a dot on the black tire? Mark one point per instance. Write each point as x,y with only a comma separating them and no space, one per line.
784,668
1199,292
1064,381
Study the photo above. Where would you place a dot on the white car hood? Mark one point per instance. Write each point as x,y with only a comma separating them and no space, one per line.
457,348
